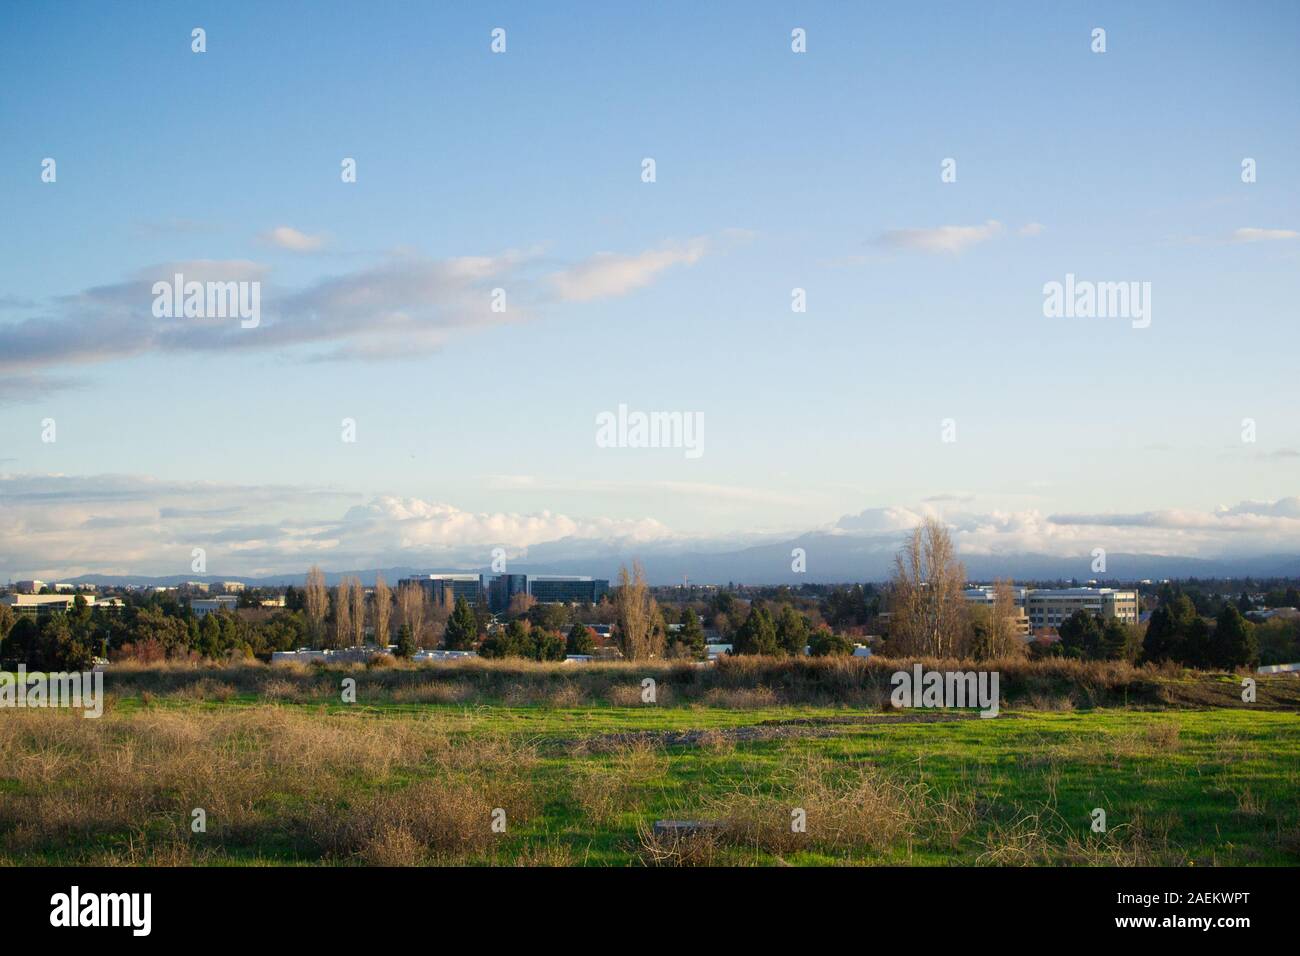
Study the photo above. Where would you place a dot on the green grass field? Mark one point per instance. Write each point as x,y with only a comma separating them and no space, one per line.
394,782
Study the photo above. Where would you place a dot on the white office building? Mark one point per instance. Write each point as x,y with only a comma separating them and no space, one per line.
202,607
987,596
1048,607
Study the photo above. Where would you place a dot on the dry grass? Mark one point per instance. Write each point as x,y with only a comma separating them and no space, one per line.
433,692
428,820
548,853
844,809
1043,837
741,698
122,789
632,695
733,682
715,742
816,805
603,789
703,847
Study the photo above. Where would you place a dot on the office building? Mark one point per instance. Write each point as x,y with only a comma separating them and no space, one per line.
986,596
1048,607
498,589
444,590
566,589
503,587
202,607
40,605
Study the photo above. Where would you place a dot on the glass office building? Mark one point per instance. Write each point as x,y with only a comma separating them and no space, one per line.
566,589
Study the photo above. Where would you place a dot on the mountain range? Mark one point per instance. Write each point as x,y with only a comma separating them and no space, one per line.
829,557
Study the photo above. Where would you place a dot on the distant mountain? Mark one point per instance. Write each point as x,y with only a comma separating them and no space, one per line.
837,557
830,558
275,580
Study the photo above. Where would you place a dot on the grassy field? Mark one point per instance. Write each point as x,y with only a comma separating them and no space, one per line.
575,770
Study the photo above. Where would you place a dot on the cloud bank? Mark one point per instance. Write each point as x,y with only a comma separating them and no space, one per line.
60,526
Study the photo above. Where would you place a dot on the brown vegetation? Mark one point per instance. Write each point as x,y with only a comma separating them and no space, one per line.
124,788
732,682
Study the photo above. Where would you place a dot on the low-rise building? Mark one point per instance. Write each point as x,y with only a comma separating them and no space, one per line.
1048,607
437,654
202,607
39,605
1285,613
987,597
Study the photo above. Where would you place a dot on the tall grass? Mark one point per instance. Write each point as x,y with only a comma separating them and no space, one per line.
733,682
124,788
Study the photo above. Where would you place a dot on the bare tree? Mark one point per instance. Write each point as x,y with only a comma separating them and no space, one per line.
927,607
383,610
316,600
357,597
634,619
519,604
342,615
412,605
1005,630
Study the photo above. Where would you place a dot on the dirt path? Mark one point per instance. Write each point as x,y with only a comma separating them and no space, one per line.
782,729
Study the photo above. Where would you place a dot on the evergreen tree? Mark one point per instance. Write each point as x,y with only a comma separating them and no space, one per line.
1116,641
1197,650
580,641
1233,643
824,643
1167,630
405,642
689,639
514,641
757,635
791,631
209,636
462,627
1081,635
547,646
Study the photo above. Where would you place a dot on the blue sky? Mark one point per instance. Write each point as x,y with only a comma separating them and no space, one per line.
522,170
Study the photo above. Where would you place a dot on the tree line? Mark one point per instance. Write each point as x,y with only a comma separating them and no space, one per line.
921,611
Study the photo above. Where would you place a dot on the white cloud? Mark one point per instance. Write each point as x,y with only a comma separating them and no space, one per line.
404,306
287,237
883,520
1255,234
62,526
1032,229
608,274
415,526
1248,528
941,239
